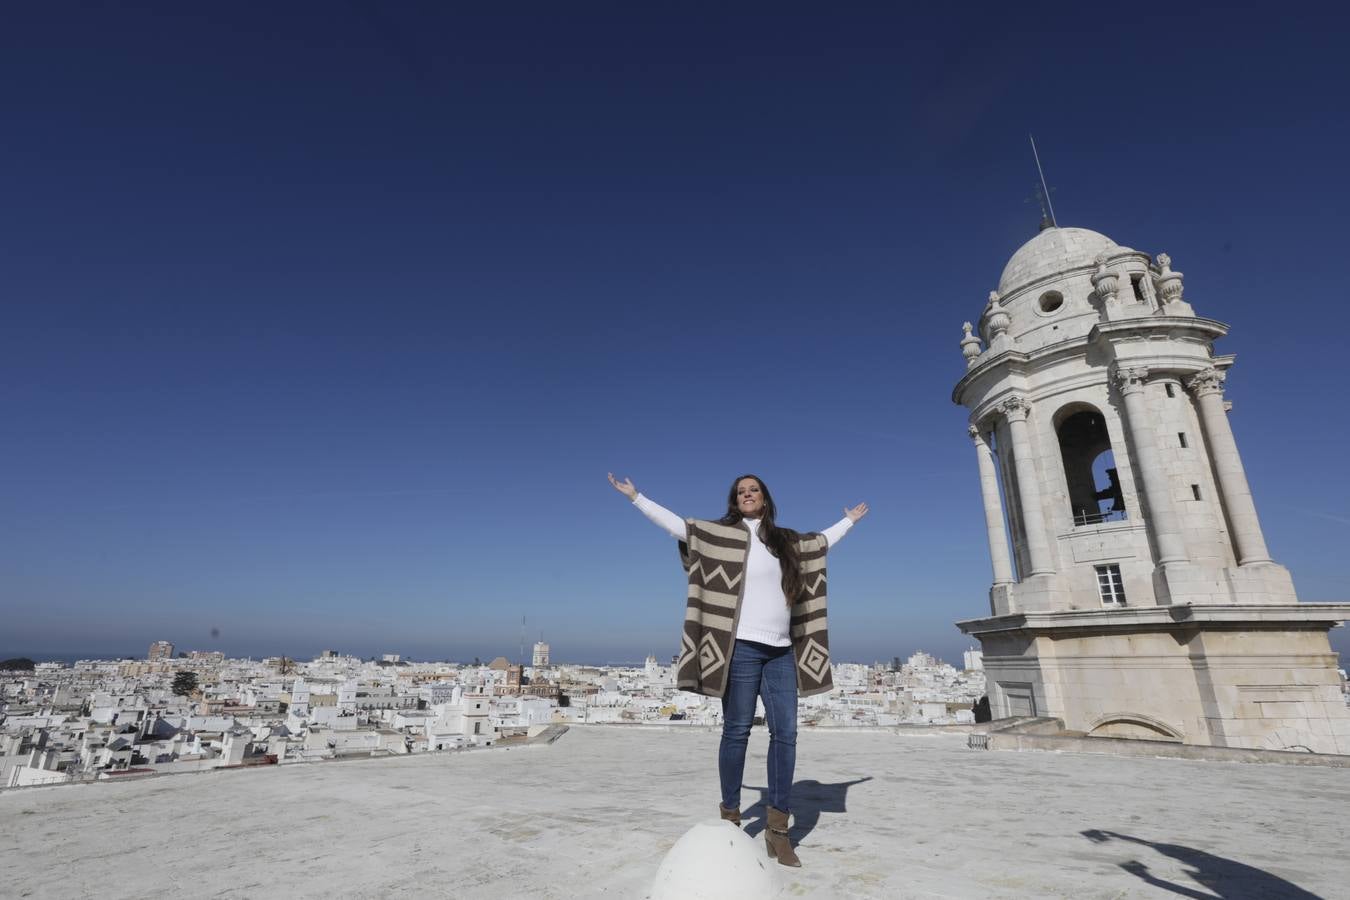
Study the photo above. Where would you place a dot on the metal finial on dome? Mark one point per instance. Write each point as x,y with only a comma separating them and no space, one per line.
1043,192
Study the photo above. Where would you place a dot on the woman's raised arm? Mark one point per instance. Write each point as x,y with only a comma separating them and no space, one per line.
840,528
672,523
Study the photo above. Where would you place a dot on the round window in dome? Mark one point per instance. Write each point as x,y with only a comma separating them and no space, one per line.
1050,301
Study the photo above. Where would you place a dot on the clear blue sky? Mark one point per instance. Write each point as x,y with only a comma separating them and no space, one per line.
323,325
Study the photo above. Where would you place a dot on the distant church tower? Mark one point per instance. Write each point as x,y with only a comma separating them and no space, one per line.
1133,593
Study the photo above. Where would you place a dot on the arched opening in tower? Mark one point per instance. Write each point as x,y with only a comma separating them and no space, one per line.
1090,468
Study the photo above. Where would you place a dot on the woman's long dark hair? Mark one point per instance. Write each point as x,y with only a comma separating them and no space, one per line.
782,542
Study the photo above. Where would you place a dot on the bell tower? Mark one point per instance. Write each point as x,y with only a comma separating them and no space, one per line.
1133,592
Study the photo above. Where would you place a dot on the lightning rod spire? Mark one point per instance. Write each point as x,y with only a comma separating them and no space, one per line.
1047,220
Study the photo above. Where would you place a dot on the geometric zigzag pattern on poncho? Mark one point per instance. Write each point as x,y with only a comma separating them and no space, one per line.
720,571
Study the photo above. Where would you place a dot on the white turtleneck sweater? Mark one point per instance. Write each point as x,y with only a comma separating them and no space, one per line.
764,611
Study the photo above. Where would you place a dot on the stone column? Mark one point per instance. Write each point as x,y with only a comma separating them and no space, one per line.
1249,544
1162,520
1028,486
993,509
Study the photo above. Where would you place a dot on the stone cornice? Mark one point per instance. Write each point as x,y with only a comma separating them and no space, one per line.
984,368
1152,617
1020,362
1151,326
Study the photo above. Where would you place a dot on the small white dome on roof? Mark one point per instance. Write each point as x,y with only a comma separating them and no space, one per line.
715,860
1052,251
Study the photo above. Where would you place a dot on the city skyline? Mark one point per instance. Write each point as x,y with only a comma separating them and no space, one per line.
329,339
69,657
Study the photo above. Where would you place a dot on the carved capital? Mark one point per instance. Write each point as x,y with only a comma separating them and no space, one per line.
1206,381
1131,379
975,434
1015,408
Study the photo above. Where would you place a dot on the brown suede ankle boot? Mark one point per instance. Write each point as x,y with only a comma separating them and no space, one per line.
730,815
776,839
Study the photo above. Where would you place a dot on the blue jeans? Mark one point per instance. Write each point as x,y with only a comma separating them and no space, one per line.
770,673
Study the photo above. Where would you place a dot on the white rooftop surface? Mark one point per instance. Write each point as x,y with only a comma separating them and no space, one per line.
593,814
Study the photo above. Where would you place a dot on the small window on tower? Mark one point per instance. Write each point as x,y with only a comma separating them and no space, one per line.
1195,491
1181,439
1171,391
1109,586
1137,282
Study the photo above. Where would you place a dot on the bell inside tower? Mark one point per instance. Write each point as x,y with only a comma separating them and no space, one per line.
1090,469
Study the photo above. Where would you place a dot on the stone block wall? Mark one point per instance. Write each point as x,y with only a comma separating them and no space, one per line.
1258,688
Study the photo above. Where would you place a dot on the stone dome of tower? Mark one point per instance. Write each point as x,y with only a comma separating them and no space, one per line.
1051,252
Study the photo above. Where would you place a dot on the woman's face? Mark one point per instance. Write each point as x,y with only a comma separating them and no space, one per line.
749,498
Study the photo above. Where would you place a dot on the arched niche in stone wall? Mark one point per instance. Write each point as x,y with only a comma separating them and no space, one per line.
1135,726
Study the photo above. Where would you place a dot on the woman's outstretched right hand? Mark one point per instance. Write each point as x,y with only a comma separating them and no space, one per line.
624,487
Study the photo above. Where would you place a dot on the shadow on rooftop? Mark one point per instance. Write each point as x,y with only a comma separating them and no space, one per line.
810,798
1224,878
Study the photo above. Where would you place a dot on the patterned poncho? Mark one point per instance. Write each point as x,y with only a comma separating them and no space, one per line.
714,556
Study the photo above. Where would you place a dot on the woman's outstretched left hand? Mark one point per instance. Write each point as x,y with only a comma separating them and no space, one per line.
624,487
856,512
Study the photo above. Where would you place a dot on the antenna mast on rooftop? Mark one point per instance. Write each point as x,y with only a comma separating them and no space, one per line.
1047,208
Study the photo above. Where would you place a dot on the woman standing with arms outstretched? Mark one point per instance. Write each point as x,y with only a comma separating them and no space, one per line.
754,627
